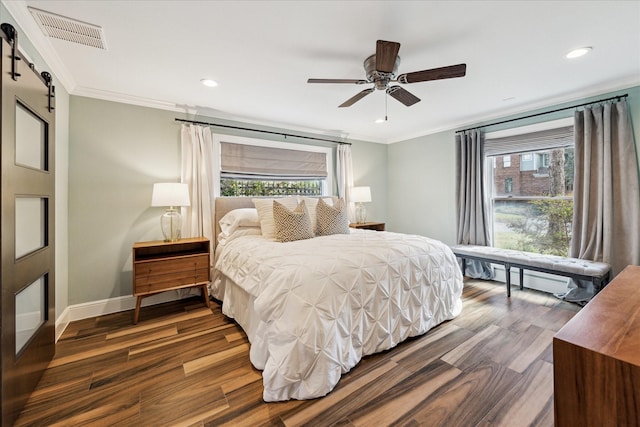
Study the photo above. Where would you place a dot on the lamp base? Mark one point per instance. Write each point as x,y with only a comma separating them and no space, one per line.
171,224
361,213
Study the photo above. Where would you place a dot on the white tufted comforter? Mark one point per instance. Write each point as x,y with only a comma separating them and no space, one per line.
321,304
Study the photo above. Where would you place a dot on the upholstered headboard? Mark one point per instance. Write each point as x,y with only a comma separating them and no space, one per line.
226,204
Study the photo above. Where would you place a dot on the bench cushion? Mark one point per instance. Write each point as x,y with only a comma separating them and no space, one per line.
550,262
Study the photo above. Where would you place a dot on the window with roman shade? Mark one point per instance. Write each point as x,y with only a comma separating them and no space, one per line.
530,185
258,162
251,167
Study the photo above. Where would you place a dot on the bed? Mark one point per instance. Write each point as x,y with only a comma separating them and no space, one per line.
313,308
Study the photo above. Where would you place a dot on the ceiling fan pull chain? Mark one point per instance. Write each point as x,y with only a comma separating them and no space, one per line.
385,107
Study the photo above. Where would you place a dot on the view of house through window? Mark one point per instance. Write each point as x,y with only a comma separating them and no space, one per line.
532,200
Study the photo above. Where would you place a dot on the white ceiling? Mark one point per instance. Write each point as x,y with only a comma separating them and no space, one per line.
263,52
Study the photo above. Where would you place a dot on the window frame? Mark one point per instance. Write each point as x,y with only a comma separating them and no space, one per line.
218,138
489,171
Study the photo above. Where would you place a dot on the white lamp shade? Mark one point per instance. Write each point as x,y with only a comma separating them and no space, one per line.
170,194
361,194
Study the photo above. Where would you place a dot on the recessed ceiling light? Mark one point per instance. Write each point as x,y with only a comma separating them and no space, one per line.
209,82
579,52
381,120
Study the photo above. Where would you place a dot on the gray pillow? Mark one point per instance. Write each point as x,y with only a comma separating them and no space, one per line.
332,219
291,225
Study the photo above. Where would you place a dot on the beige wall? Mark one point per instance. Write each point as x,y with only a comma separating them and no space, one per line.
117,151
421,184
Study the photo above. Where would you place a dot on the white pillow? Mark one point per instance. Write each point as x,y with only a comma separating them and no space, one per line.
245,217
311,203
265,213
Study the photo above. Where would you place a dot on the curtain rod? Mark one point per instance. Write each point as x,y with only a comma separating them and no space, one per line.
546,112
263,131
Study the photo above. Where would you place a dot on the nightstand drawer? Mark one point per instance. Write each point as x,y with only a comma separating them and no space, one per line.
161,267
151,284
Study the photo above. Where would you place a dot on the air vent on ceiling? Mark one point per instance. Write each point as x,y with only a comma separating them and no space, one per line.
72,30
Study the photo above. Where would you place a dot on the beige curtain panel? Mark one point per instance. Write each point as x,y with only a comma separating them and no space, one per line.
472,216
606,218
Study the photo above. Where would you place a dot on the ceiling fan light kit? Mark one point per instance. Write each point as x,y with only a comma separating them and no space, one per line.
381,69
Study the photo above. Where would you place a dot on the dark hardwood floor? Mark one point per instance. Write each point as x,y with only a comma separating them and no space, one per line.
185,365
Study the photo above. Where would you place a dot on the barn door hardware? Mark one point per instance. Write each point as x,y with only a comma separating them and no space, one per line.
12,38
52,89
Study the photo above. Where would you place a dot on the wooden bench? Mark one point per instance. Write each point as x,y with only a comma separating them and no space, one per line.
596,272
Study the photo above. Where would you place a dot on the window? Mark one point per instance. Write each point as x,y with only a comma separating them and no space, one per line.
545,160
506,161
269,187
532,205
508,185
252,167
526,162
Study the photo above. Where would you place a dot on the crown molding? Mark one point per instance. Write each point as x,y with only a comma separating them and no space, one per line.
579,95
204,112
129,99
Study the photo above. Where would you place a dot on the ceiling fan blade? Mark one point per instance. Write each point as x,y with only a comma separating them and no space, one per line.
386,54
356,81
402,95
357,97
449,72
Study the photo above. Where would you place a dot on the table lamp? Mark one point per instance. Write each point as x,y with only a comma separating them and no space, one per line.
361,195
170,194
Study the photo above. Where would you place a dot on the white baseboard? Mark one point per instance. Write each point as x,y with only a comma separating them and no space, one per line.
544,282
115,305
62,322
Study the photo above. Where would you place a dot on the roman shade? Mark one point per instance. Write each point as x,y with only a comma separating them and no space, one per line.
532,141
241,160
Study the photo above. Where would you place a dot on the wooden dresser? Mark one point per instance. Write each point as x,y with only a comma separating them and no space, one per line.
596,359
160,266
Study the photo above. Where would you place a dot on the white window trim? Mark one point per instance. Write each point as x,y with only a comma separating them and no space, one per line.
218,138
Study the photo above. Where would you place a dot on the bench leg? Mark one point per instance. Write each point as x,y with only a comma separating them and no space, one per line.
464,266
521,278
600,282
507,272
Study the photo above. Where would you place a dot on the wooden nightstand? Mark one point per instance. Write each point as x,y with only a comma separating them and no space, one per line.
160,266
377,226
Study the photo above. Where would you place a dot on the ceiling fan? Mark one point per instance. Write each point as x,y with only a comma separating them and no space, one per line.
381,69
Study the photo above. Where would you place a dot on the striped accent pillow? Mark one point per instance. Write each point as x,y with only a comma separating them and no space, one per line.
291,225
332,219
